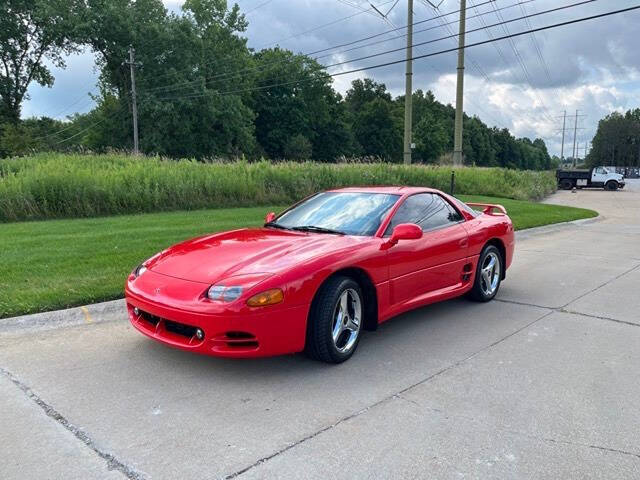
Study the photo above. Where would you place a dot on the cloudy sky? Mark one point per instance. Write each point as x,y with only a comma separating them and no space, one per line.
524,84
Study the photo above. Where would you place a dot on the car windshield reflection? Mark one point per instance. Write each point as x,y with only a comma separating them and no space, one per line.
350,213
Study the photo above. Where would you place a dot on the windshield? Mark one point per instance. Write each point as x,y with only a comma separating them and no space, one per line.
351,213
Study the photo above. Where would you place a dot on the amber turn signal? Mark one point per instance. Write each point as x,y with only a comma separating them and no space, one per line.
268,297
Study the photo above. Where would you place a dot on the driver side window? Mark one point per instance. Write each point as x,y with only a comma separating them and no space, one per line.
427,210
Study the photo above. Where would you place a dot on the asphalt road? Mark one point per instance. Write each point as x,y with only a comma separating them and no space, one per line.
541,383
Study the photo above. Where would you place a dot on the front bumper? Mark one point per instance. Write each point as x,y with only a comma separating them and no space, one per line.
266,332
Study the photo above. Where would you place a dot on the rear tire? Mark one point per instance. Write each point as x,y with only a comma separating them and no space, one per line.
612,185
335,321
488,275
566,184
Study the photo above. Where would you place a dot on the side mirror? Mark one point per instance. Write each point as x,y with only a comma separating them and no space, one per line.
405,231
270,217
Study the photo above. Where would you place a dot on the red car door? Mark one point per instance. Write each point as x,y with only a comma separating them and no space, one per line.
419,268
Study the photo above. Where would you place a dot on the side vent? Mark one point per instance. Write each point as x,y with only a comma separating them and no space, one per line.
466,272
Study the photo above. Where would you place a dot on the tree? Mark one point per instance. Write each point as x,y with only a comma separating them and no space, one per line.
188,105
365,91
376,119
431,138
378,130
293,96
298,147
617,140
32,31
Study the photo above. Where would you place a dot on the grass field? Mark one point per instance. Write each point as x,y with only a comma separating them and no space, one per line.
53,185
47,265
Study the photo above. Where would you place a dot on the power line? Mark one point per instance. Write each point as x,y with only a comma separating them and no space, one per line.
68,107
395,62
386,52
299,34
479,70
501,54
416,31
541,59
432,54
441,23
257,7
327,49
521,62
536,46
474,64
73,125
355,5
93,125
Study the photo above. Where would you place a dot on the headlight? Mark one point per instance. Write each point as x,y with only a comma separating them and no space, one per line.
268,297
223,293
140,269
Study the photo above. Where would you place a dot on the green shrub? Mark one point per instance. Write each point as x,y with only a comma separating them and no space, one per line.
58,185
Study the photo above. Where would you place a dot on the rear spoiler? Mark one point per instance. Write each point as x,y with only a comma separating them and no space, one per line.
488,208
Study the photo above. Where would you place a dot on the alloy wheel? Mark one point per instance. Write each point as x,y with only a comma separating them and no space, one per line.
347,319
490,274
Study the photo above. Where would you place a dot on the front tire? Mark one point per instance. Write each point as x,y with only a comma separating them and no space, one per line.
612,185
488,275
335,321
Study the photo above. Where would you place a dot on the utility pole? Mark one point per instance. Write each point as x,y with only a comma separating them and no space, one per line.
408,87
575,133
457,135
564,124
134,105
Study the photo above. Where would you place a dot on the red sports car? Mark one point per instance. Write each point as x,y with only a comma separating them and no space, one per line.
313,277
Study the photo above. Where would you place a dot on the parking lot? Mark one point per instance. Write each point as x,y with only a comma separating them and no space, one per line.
541,383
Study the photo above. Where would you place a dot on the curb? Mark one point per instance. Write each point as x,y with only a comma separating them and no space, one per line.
111,311
554,227
115,310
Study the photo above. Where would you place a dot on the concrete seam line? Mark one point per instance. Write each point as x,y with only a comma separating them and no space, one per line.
524,304
598,317
600,286
518,433
112,462
396,395
572,312
577,444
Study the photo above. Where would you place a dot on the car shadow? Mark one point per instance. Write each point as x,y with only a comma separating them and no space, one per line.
407,338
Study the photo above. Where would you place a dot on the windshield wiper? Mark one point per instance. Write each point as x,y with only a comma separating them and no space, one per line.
276,225
313,228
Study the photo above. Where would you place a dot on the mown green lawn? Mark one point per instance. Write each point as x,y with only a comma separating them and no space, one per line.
54,264
531,214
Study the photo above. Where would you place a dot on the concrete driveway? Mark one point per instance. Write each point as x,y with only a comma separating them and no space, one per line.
542,383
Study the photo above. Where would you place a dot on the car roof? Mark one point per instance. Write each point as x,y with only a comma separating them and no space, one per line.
389,189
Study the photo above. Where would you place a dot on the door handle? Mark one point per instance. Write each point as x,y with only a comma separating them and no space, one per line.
464,243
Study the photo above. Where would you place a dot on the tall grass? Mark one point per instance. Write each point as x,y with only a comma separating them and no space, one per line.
58,185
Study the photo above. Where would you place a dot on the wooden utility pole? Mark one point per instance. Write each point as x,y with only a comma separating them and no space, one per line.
408,86
457,135
564,124
134,105
575,134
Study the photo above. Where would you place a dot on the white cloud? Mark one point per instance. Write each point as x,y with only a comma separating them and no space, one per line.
592,65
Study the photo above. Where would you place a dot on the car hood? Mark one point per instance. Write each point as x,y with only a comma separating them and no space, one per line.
215,257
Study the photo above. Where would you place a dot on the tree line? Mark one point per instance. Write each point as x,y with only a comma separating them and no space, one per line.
617,140
203,93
